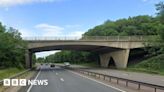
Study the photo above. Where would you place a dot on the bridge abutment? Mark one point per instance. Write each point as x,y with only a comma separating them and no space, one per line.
28,59
120,58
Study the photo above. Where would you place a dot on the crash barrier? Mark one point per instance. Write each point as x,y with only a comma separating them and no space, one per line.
127,81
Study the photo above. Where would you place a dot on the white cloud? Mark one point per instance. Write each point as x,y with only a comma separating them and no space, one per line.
26,33
76,33
8,3
49,30
53,30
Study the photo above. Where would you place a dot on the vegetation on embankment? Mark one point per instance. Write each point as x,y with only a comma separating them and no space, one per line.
12,48
154,65
8,72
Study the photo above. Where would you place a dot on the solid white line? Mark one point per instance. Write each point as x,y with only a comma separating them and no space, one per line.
62,79
34,79
97,81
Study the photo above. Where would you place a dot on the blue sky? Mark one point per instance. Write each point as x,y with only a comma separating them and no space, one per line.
67,17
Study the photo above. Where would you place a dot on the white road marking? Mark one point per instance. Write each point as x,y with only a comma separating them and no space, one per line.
97,81
62,79
34,79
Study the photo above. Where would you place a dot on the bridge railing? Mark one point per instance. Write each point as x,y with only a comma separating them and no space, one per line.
92,38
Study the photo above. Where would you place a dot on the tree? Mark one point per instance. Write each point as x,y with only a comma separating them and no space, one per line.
40,60
12,48
160,14
138,25
158,42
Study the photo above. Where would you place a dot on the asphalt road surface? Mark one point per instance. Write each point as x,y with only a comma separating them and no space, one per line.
61,80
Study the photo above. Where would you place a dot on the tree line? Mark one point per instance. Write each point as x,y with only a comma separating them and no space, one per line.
132,26
75,57
12,48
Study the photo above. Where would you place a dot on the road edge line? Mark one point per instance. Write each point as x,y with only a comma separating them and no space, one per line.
96,81
28,90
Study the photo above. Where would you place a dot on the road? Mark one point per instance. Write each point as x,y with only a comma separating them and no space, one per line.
61,80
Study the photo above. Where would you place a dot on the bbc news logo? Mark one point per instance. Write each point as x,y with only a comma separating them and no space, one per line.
23,82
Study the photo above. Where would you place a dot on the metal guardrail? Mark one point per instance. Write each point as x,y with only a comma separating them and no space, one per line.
98,75
92,38
17,75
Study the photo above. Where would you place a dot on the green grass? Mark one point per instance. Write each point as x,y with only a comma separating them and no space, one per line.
153,65
8,72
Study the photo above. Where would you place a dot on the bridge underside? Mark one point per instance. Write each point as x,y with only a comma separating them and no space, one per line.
89,48
120,56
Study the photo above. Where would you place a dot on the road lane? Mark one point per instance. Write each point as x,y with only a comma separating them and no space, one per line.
60,80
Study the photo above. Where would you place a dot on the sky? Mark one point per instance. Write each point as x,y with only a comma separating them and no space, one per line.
51,18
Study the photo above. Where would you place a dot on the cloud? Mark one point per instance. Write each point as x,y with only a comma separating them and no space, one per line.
49,30
8,3
26,33
76,33
53,30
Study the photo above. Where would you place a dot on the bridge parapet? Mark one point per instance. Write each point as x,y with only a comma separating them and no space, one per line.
90,38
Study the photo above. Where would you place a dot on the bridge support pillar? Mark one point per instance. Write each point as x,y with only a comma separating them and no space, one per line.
28,59
120,58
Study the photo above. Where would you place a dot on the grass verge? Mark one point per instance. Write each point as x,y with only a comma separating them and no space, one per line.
153,65
8,72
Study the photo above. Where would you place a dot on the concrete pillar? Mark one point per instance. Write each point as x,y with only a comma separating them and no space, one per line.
120,58
28,59
104,59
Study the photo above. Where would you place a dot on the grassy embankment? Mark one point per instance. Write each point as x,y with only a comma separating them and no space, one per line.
153,65
8,72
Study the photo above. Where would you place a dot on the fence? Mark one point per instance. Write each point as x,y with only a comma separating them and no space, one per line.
92,38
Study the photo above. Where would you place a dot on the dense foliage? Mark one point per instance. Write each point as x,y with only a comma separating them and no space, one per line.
12,48
139,25
160,9
72,56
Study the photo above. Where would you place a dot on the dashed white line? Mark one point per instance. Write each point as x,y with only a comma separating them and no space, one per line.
34,79
97,81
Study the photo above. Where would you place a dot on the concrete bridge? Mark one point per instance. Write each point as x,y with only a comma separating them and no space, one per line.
117,47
